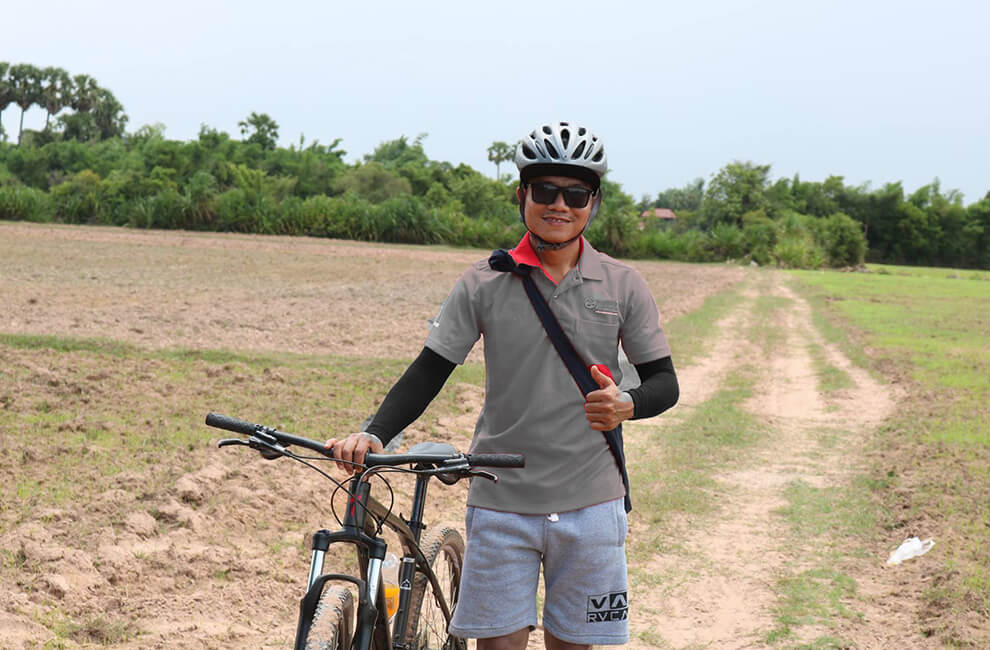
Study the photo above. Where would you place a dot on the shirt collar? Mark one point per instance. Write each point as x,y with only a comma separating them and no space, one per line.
589,260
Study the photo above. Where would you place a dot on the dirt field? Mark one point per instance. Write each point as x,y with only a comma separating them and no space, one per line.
186,550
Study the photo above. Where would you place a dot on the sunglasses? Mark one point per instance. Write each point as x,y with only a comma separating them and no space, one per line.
574,196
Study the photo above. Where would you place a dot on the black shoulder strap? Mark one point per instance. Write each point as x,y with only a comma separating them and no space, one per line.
501,260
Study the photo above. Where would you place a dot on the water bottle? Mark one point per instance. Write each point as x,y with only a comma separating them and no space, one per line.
390,579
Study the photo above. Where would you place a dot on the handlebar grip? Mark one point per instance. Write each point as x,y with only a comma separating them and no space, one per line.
231,424
496,460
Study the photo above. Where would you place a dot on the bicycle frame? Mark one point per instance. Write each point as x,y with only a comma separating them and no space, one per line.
359,529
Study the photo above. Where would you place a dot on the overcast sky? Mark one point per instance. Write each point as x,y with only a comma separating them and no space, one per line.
875,91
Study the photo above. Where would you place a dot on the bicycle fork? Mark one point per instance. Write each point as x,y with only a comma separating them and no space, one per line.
368,589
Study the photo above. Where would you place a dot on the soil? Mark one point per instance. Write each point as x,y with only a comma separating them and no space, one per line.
207,560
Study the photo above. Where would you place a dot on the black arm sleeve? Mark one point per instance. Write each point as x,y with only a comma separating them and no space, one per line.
410,396
658,390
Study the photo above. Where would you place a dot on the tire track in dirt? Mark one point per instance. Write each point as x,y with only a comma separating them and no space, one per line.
718,586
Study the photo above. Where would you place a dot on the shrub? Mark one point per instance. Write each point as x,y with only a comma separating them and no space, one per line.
843,240
19,202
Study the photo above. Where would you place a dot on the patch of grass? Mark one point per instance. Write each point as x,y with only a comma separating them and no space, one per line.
814,597
830,378
97,629
828,514
85,410
693,330
712,435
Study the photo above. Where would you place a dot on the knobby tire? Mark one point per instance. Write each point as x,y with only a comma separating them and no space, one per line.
333,621
427,628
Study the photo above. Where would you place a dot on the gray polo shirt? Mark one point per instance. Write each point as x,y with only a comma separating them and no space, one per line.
532,404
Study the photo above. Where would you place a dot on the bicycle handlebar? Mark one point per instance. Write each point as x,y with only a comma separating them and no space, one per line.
370,460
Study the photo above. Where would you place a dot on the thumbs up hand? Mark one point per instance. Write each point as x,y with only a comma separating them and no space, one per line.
606,407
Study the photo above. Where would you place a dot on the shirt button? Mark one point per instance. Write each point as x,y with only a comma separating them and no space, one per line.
554,296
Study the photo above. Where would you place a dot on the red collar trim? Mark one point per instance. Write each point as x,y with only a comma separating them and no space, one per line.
523,253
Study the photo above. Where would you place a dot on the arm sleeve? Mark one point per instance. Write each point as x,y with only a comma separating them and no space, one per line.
658,390
410,396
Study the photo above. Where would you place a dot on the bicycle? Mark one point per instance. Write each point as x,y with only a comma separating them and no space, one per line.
430,568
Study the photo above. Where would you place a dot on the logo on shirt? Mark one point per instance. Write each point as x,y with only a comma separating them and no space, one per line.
602,306
608,607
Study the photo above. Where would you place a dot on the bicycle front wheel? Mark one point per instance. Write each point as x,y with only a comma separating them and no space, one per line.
427,626
333,621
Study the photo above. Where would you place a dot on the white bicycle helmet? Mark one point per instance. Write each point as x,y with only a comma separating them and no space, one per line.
561,149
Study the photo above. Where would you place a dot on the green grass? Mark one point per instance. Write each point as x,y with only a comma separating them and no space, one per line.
76,410
813,597
691,332
927,328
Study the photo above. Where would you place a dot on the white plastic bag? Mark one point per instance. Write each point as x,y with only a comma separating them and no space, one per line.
911,547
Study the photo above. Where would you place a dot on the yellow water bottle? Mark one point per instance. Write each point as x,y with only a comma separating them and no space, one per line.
390,579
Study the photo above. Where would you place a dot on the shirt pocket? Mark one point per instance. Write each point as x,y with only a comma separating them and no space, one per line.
599,339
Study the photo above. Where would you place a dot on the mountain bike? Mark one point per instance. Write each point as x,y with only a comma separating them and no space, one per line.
429,573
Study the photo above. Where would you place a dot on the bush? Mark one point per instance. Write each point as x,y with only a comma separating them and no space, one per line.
843,240
726,242
80,199
18,202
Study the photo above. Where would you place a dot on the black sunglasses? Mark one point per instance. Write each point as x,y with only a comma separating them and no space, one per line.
574,196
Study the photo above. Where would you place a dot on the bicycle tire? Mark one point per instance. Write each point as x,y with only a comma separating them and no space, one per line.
427,626
333,621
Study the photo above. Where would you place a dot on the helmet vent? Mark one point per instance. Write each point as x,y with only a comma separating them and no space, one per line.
547,130
579,150
598,158
528,152
582,131
550,149
565,137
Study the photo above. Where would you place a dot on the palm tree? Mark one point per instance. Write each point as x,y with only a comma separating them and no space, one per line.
56,93
108,114
6,92
84,95
26,82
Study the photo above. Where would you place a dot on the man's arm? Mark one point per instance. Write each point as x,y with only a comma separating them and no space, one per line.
607,407
410,396
405,402
658,389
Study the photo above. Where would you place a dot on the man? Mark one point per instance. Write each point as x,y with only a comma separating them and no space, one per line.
564,510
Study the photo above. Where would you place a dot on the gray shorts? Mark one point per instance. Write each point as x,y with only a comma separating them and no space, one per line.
584,565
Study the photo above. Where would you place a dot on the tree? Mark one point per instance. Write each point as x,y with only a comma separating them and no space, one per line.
108,115
83,93
736,189
56,92
25,79
262,128
6,93
500,152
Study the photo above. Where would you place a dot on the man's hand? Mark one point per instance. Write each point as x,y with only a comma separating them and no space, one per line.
352,449
607,407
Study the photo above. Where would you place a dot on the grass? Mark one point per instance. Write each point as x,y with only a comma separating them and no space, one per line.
692,331
928,328
71,412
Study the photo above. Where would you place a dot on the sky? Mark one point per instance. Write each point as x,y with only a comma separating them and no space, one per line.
874,91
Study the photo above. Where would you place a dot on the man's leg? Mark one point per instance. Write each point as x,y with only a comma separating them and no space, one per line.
515,641
553,643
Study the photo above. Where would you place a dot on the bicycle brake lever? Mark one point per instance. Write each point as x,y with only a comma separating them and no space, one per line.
483,474
226,442
268,450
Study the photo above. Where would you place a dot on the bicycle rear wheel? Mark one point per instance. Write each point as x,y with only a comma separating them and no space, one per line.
333,621
427,626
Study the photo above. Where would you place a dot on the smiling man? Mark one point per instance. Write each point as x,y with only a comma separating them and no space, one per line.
565,510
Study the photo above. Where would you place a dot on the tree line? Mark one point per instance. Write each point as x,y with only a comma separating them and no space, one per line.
97,115
93,175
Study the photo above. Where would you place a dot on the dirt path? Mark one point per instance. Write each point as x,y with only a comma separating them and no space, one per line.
719,582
